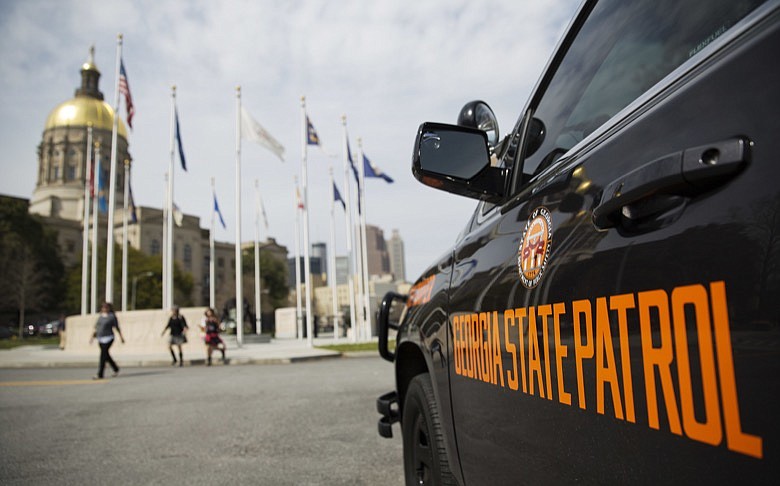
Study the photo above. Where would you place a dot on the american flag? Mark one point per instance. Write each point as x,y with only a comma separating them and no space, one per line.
124,88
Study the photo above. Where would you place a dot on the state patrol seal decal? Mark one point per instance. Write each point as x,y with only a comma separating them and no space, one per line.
534,251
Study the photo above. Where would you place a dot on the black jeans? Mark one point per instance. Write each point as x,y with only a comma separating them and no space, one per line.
106,358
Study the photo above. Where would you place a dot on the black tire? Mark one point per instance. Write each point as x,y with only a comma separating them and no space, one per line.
425,455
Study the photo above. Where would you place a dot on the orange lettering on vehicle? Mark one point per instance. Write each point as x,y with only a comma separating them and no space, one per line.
520,314
476,346
660,358
511,375
456,344
497,367
544,312
561,352
690,323
606,373
695,297
621,304
487,347
534,360
582,351
468,350
736,440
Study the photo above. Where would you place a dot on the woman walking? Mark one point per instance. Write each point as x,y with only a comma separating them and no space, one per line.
210,326
178,327
104,333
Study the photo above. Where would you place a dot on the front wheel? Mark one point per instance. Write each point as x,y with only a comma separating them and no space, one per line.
425,455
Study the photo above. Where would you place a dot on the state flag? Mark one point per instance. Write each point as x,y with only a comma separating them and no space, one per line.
373,171
311,134
102,196
219,213
178,140
337,197
131,206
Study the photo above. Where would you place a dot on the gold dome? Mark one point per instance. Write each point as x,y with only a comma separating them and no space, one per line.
83,110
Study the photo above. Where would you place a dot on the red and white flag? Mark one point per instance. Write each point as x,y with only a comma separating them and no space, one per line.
124,88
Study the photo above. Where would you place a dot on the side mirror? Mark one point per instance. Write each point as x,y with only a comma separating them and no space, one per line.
457,159
478,114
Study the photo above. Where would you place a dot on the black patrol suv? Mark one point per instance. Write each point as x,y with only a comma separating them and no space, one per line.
611,312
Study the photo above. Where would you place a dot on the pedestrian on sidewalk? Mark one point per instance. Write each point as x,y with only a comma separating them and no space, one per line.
178,329
61,330
104,333
210,325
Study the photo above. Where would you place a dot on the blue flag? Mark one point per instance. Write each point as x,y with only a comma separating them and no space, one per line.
178,140
337,196
311,134
102,197
219,213
131,203
358,199
373,171
352,163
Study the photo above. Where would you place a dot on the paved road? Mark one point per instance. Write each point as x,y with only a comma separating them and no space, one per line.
306,423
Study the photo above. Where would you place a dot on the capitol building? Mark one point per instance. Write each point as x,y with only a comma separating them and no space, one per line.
64,154
58,198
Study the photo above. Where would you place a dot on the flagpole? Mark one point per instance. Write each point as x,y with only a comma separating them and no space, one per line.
112,182
212,266
168,304
306,262
164,253
124,236
348,216
95,227
258,303
239,288
332,264
298,310
366,289
359,308
85,236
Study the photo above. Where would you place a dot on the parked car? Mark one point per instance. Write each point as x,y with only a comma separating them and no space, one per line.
6,332
51,328
610,313
30,330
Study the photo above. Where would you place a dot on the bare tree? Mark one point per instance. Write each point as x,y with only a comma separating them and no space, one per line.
25,282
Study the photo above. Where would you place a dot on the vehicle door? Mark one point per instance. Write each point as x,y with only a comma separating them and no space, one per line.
616,319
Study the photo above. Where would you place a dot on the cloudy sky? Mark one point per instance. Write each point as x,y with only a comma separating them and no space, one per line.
386,65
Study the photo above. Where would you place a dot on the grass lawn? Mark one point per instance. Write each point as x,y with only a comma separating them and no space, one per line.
14,341
348,347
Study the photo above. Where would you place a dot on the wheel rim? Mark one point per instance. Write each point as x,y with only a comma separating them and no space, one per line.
423,458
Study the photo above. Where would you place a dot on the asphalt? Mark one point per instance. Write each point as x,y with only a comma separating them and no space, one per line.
275,352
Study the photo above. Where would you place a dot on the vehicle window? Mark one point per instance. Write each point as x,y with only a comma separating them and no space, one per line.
621,51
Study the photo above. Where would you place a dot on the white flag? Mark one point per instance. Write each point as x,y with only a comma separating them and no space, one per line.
251,130
178,216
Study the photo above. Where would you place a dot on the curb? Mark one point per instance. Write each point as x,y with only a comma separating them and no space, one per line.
164,363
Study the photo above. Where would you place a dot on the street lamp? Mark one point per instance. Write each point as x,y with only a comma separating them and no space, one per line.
135,284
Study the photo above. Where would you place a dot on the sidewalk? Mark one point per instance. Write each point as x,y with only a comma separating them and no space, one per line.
283,351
